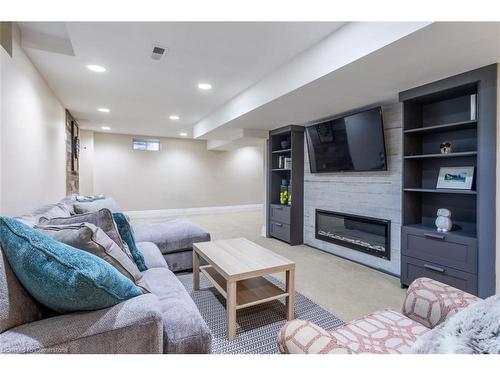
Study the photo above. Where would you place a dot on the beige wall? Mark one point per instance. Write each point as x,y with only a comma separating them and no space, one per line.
182,175
32,136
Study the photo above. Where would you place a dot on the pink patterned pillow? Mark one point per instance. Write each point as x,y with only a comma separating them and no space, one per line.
430,302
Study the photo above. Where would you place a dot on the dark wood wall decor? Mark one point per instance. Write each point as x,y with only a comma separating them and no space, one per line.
460,110
72,154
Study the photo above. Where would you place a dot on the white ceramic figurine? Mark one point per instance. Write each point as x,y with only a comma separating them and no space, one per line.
443,221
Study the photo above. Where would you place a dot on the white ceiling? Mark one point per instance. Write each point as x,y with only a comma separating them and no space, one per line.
433,52
140,92
265,75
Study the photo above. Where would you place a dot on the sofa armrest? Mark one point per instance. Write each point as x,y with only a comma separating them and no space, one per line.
303,337
430,302
133,326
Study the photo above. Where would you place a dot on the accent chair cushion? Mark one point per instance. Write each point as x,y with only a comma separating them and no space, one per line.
59,276
382,332
127,235
102,219
89,238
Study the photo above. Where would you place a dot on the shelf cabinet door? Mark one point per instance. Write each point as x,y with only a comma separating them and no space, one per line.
459,252
280,231
280,213
412,269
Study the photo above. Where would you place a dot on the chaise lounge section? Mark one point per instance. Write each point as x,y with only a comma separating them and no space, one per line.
175,240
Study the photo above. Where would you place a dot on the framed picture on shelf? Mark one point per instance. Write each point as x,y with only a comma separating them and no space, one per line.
455,178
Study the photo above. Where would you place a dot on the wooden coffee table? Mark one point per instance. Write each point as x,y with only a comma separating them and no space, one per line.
235,269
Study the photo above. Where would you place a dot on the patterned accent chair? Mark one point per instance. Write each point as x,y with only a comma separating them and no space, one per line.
427,304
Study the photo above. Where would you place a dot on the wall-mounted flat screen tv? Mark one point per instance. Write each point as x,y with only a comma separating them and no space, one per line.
351,143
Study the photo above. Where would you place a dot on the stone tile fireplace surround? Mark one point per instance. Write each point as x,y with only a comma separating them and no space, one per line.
372,194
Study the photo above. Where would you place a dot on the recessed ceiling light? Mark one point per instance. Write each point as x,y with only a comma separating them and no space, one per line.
174,117
204,86
105,128
183,134
104,110
96,68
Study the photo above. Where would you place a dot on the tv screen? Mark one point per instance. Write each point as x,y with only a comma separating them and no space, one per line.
351,143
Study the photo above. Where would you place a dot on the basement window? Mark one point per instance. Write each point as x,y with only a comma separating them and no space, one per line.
146,144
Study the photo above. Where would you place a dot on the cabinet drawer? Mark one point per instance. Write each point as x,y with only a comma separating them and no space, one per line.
280,231
412,269
447,249
280,213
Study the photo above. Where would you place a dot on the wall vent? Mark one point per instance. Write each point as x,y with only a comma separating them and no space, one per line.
158,52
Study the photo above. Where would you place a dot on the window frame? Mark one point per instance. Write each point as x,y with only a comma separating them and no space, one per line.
147,143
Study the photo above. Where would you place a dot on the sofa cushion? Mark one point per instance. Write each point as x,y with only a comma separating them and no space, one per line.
131,327
172,235
127,235
152,255
184,330
96,205
16,305
383,332
102,219
89,238
59,276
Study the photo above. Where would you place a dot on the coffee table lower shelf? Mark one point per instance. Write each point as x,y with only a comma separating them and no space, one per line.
249,292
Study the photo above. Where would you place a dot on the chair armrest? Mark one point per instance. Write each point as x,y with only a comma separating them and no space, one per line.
303,337
430,302
133,326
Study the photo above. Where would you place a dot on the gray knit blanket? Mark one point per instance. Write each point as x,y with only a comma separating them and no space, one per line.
474,330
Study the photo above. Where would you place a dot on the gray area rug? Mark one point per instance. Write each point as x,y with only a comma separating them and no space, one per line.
258,326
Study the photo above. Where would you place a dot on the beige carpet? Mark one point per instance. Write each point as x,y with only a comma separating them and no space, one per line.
346,289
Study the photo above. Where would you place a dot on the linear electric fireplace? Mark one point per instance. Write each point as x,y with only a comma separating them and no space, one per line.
361,233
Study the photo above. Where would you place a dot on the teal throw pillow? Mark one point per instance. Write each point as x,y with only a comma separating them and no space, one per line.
127,235
59,276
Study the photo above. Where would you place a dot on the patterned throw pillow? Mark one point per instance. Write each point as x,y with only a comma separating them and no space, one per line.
102,219
127,235
88,237
59,276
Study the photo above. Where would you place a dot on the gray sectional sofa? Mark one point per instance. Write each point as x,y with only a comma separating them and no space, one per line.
164,321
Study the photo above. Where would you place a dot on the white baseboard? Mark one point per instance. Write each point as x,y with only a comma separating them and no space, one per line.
194,211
